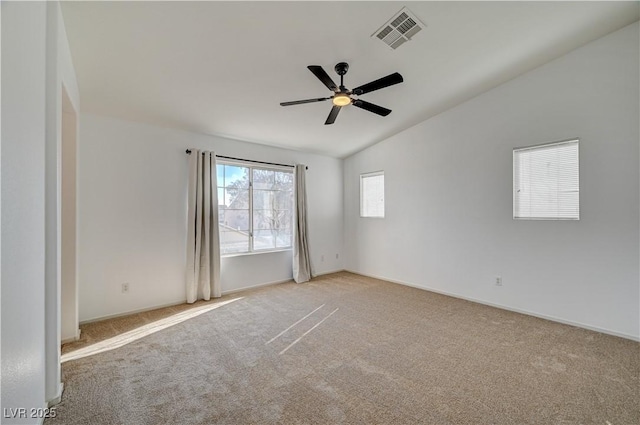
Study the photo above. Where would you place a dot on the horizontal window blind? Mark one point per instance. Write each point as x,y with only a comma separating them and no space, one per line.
546,182
372,194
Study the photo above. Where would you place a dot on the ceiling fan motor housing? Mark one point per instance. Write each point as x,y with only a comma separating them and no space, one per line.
342,68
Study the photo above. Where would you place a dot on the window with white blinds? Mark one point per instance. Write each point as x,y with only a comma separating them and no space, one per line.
546,182
372,194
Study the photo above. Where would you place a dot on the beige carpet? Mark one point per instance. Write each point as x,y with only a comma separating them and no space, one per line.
370,352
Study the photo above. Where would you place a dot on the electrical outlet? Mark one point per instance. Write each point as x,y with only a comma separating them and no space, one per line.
322,258
125,287
498,280
337,256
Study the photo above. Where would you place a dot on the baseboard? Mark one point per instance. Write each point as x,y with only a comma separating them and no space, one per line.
329,272
260,285
504,307
48,406
72,339
246,288
127,313
45,408
142,310
58,397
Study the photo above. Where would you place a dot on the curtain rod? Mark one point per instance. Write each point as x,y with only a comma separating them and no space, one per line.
188,151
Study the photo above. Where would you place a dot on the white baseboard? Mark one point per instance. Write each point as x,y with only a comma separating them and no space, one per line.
72,339
58,396
49,405
142,310
329,272
504,307
127,313
45,406
246,288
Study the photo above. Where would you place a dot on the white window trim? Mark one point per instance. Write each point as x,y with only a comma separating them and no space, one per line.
258,252
575,140
362,177
251,166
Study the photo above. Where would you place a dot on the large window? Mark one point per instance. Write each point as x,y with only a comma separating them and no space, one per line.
546,182
372,194
255,206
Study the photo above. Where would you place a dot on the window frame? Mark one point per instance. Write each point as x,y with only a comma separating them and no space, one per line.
367,175
574,140
251,166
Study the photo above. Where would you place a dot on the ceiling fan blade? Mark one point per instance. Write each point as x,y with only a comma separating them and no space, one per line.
371,107
300,102
319,72
332,115
378,84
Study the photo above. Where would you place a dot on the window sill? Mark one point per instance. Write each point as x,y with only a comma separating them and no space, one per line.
546,218
242,254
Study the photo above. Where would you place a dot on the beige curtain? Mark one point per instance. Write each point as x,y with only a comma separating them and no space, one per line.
301,258
203,239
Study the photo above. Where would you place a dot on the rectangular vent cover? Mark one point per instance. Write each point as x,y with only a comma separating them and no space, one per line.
399,29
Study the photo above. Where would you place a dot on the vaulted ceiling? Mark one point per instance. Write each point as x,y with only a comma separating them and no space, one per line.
222,68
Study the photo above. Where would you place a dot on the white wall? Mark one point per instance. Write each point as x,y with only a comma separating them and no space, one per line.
36,64
23,206
132,215
449,226
59,73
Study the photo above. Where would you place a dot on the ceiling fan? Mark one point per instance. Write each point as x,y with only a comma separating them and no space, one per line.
342,96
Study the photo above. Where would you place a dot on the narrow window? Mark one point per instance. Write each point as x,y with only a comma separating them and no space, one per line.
546,182
372,194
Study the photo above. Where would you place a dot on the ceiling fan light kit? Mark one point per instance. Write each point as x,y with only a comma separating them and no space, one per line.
343,97
341,100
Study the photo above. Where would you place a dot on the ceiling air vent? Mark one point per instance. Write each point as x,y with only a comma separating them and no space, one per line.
399,29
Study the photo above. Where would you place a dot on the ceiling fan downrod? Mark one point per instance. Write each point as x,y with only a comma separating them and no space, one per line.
341,69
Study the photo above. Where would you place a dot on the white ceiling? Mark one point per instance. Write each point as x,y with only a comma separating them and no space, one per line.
223,67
